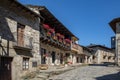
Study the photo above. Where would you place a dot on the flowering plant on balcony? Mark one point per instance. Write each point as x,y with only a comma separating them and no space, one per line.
48,34
58,34
68,40
52,30
55,37
62,36
60,40
46,26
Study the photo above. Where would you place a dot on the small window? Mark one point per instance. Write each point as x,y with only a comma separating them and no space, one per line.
25,63
34,64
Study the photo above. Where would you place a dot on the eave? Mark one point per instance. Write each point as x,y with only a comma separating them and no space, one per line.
55,22
113,24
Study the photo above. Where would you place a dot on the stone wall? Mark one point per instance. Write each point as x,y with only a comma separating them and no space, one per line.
49,49
8,28
102,56
117,59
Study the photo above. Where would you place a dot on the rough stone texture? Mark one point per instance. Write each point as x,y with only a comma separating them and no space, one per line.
8,30
58,51
117,43
103,55
90,73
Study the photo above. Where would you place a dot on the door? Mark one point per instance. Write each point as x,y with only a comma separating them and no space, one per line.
5,68
53,57
77,59
43,56
20,34
61,58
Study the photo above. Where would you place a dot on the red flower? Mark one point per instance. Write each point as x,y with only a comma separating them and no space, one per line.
46,26
52,30
68,40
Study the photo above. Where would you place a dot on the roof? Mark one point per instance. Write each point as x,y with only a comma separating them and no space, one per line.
86,48
113,24
53,20
101,46
25,8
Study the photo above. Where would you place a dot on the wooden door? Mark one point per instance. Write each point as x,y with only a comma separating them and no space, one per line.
20,34
5,68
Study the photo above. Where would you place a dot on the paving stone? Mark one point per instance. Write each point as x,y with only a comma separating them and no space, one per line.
90,73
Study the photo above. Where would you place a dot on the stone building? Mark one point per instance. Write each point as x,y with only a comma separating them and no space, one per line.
58,44
57,41
115,25
19,40
85,56
102,54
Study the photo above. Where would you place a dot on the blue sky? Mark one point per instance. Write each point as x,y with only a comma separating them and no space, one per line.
87,19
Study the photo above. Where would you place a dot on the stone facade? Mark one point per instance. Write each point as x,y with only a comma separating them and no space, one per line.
10,18
58,44
86,56
115,25
28,43
102,54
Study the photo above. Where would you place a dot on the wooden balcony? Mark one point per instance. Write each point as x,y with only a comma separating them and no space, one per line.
24,42
74,47
53,40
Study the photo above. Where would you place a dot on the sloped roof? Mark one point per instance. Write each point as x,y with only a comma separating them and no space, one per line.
22,7
53,20
113,24
101,46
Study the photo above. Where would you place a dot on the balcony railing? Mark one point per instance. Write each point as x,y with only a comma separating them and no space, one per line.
58,40
24,42
74,47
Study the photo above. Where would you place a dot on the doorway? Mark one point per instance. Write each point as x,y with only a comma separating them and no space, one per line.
77,59
6,68
43,56
61,58
53,57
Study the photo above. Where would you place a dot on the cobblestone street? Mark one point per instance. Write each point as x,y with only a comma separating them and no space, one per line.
90,73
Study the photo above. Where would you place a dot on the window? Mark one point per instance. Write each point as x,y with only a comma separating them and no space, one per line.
25,63
34,64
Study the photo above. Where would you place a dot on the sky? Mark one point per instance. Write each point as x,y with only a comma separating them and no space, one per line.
87,19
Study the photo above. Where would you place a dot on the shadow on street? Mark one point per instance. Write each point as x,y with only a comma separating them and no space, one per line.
107,64
115,76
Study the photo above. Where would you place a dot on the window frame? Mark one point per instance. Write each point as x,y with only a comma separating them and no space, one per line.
25,63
